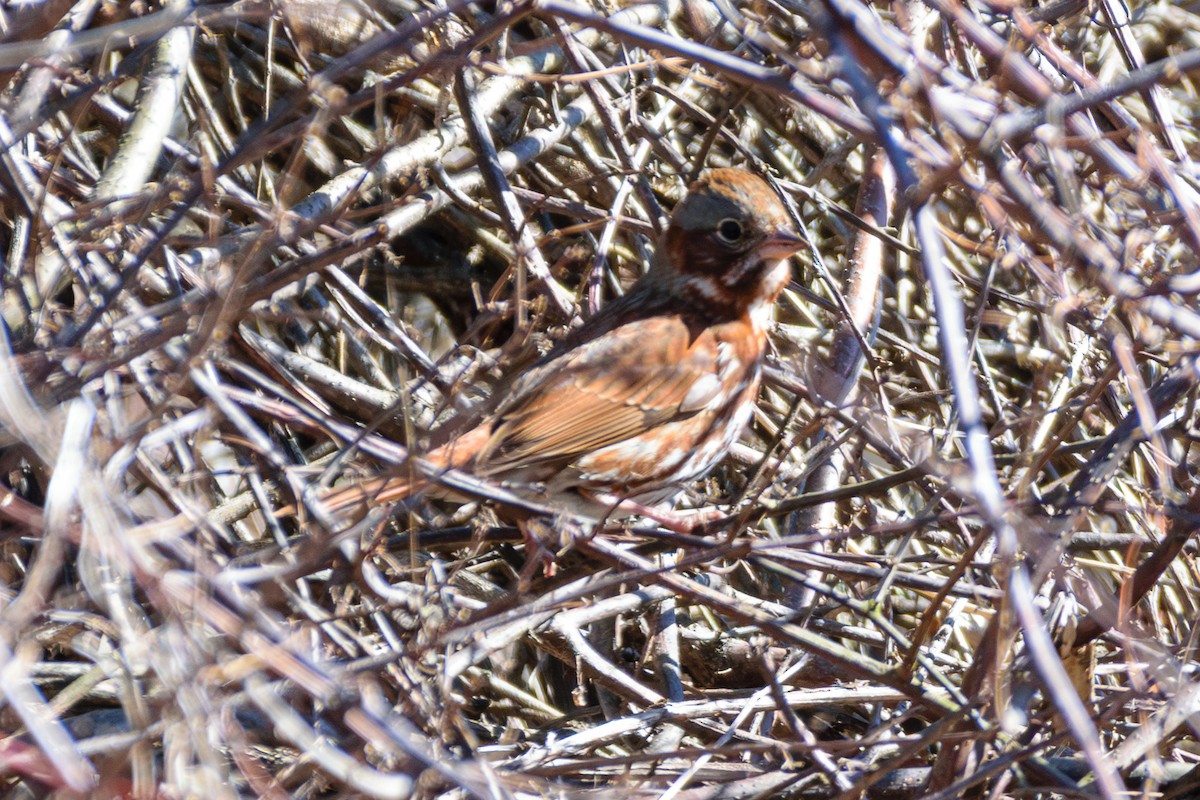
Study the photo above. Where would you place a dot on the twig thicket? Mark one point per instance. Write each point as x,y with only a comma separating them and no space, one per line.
256,249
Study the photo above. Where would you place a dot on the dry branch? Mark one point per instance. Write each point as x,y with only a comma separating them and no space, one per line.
255,249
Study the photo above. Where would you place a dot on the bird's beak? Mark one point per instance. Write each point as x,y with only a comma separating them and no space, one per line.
780,245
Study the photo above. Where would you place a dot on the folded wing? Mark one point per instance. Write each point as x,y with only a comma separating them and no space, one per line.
606,391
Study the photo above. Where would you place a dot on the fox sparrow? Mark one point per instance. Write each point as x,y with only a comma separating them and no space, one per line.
653,390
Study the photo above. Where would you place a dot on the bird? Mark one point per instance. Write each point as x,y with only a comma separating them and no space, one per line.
652,391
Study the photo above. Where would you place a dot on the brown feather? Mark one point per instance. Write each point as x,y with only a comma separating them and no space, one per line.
654,389
604,391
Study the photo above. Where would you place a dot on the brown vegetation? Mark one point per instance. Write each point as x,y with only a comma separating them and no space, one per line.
256,249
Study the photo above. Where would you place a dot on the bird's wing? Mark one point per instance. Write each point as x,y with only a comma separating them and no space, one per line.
615,387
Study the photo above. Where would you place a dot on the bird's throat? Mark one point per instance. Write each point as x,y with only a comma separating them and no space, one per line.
750,292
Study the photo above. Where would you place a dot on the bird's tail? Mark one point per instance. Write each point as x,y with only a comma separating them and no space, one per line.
356,500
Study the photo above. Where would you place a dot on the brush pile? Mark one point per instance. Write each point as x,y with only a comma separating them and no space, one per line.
253,250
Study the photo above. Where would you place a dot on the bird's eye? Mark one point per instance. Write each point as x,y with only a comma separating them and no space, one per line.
729,231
